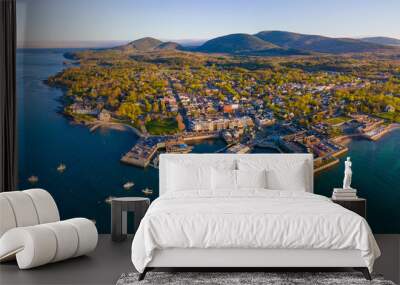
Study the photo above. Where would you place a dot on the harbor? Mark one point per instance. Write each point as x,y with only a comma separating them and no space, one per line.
326,152
145,149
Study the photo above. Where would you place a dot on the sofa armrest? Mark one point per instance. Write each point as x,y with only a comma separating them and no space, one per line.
32,246
41,244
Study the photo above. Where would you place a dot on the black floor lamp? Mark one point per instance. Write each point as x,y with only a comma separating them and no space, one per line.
8,145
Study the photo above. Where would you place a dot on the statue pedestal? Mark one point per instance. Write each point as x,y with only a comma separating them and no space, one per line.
342,190
344,194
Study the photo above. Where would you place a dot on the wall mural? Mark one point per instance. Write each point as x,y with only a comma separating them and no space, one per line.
103,93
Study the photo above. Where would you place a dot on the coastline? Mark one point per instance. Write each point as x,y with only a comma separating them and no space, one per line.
343,140
326,166
388,129
94,125
346,139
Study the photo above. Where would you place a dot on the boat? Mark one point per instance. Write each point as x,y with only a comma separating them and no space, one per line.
33,179
128,185
147,191
180,148
109,199
156,161
227,136
238,148
61,167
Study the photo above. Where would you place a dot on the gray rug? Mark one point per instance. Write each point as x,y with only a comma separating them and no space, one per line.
243,278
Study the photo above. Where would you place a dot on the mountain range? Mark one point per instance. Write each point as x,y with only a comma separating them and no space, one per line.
272,43
149,44
382,40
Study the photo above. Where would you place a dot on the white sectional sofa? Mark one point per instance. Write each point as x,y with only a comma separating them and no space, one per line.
31,231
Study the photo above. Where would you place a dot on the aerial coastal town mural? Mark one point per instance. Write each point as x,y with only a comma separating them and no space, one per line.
110,112
242,88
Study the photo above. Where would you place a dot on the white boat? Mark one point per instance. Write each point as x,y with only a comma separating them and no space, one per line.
33,179
238,148
128,185
155,161
147,191
61,167
180,148
227,136
109,199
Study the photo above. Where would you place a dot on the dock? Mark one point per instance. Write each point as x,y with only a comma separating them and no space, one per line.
325,165
144,150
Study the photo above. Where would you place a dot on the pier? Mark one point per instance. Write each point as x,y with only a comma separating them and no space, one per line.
143,152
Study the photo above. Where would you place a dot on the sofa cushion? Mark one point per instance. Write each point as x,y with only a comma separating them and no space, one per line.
45,205
41,244
7,220
23,208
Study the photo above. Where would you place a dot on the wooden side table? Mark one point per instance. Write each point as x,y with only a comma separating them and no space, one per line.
357,205
119,209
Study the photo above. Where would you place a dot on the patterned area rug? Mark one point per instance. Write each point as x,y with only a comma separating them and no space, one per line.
243,278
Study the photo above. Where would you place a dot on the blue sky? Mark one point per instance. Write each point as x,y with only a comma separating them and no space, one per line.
103,20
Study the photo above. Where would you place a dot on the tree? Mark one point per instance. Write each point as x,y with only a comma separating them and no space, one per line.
132,96
147,106
129,110
181,125
163,107
156,108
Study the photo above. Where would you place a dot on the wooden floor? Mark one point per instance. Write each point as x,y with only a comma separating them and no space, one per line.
110,260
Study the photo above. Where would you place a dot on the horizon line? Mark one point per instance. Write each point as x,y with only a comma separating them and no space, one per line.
96,43
106,43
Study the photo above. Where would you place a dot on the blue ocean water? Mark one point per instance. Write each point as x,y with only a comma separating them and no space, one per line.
94,172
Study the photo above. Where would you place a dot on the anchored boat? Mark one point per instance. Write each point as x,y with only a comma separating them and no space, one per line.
33,179
128,185
109,199
147,191
61,167
179,148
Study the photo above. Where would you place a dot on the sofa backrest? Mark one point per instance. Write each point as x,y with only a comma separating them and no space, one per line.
285,162
26,208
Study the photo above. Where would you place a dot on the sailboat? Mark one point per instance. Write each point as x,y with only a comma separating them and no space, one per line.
61,167
128,185
33,179
109,199
147,191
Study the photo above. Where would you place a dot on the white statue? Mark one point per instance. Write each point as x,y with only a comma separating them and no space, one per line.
347,174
